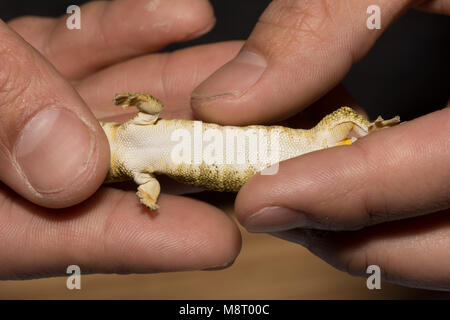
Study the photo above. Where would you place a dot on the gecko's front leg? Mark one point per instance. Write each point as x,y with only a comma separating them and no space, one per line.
149,109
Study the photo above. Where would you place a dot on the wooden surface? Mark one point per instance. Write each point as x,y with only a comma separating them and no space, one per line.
267,268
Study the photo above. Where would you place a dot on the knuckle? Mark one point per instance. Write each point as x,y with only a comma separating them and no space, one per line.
372,200
15,65
165,78
19,72
301,18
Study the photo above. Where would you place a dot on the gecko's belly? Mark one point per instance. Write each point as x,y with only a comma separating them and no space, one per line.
204,155
228,178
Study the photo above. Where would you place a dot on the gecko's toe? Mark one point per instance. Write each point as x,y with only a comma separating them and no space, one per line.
151,206
147,201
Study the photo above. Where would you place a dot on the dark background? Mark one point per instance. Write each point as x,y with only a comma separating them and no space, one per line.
407,72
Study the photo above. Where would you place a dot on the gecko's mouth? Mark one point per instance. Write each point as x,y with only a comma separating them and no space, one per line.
357,132
379,124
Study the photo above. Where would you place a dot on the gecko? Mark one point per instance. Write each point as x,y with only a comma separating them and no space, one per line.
211,156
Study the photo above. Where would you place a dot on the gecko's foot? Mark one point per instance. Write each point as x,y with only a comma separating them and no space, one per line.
148,193
152,207
380,123
147,200
146,103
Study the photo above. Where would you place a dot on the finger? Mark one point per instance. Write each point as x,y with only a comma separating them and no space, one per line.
115,30
392,174
52,149
168,76
412,252
435,6
335,98
297,52
113,233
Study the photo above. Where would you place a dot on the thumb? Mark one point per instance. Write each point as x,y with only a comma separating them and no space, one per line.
297,52
52,150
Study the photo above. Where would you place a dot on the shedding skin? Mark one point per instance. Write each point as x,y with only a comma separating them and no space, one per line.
220,158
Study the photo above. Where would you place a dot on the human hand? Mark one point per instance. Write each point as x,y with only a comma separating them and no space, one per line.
55,155
334,201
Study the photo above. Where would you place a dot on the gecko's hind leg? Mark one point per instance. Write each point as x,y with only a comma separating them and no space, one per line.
148,190
149,107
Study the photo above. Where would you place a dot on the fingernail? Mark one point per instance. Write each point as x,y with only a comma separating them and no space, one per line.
53,149
234,78
219,267
203,31
274,219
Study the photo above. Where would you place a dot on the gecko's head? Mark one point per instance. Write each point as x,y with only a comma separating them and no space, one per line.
346,125
342,125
